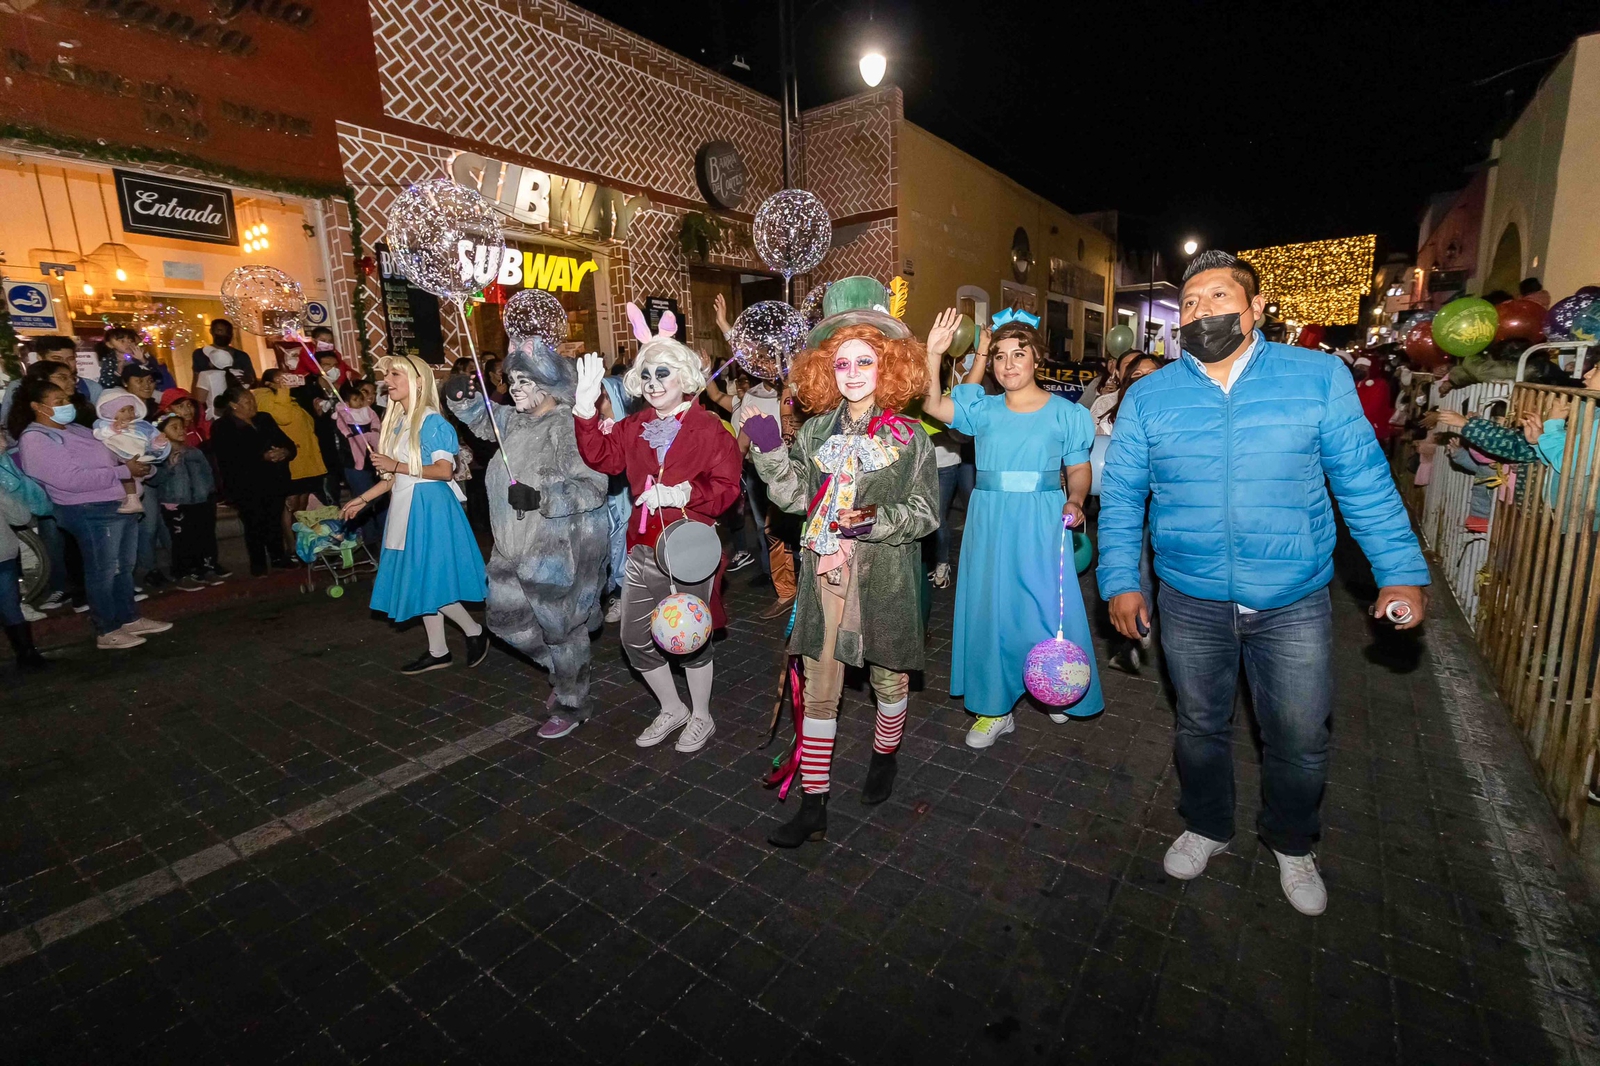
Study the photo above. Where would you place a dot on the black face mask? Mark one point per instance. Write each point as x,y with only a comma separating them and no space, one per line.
1213,338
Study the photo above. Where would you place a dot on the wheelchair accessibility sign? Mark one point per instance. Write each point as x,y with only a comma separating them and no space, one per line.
29,305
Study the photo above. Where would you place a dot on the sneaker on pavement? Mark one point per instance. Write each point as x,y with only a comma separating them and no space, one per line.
117,640
186,583
665,723
696,733
614,609
80,608
557,725
426,662
1301,882
740,560
1128,660
56,601
1187,857
988,729
1060,719
940,576
138,597
216,575
31,615
144,627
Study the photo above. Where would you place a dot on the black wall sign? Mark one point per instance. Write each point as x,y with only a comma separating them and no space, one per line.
410,315
167,207
720,173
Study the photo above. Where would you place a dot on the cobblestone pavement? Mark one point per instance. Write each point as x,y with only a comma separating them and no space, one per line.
253,840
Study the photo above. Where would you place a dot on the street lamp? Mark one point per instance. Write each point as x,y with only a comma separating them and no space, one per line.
872,67
1190,246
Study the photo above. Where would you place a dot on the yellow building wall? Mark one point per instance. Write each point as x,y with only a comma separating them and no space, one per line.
1573,256
957,217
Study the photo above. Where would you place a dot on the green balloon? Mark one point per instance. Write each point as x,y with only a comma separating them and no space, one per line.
1082,550
1465,327
1119,340
855,294
966,333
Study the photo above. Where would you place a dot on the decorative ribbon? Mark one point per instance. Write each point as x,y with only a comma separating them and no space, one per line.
1013,314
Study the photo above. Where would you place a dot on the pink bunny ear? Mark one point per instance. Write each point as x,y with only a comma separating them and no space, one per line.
669,325
641,328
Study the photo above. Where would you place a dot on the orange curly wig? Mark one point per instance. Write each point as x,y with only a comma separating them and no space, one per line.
902,370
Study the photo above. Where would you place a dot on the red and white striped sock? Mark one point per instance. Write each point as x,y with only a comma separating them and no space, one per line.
890,724
816,752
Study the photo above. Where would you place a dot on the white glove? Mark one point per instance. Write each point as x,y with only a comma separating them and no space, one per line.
591,370
658,496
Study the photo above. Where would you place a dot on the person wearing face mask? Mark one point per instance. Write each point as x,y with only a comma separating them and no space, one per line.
219,364
1230,449
1010,596
867,483
551,551
681,462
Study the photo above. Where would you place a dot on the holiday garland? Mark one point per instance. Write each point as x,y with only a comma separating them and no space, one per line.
126,153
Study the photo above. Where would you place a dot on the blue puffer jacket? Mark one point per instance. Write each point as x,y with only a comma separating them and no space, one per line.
1238,507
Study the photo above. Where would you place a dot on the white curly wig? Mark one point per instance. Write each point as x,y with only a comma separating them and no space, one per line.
665,350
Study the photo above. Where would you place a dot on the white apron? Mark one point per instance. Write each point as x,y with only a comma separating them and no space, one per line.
394,530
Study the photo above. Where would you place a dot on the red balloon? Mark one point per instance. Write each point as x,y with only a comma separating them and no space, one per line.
1520,319
1311,334
1420,348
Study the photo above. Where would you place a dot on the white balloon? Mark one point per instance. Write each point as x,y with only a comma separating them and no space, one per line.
446,238
535,313
792,231
262,299
766,337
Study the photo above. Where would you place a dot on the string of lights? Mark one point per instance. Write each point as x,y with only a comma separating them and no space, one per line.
1318,281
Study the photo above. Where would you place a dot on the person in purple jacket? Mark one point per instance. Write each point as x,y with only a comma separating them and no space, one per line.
84,482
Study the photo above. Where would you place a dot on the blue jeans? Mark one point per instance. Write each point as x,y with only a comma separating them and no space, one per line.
959,477
55,547
152,533
110,545
619,507
1288,661
11,592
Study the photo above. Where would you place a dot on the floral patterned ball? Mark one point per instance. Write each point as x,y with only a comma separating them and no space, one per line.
681,623
1057,672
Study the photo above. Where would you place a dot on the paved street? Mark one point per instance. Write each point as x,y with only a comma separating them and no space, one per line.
254,841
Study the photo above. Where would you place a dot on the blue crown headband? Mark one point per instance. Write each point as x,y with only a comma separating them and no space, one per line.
1012,314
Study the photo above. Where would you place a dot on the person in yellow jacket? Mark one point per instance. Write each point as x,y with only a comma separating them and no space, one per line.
306,469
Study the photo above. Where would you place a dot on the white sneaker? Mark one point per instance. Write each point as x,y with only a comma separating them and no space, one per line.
56,601
1187,857
144,627
614,612
138,597
1060,719
940,577
696,733
1302,884
988,729
31,615
117,640
665,723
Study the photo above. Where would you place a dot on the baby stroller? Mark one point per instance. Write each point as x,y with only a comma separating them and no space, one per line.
322,543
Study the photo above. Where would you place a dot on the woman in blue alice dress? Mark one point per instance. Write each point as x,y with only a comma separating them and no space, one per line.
1006,588
430,561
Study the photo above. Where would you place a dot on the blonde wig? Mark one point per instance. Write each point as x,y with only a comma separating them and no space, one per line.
691,374
406,425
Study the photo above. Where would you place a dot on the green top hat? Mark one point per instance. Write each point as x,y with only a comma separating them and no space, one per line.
856,301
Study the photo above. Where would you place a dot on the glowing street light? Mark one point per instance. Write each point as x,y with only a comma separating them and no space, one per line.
1191,246
873,65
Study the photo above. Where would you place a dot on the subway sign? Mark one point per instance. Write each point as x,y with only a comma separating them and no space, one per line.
516,268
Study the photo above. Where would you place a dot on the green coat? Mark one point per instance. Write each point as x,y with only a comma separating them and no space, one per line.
886,567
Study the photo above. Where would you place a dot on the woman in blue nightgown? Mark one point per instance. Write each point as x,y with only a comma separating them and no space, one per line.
1006,589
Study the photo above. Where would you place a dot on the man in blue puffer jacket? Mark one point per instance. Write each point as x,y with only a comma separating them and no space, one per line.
1231,445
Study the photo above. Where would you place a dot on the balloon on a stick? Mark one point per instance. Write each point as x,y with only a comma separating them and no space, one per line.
536,313
792,231
263,300
446,238
766,337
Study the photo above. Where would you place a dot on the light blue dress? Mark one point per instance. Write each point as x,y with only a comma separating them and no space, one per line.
1006,592
440,563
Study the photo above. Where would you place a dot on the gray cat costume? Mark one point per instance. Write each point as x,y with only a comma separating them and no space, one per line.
550,562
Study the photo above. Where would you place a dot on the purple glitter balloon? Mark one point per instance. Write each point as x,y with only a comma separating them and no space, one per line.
1559,319
1057,672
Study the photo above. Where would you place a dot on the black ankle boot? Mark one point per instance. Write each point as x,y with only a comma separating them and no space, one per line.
28,657
478,647
809,823
880,778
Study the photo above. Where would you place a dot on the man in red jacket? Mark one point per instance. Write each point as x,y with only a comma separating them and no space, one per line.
681,462
1377,402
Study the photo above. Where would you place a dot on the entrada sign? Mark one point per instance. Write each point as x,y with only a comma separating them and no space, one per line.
538,198
532,270
167,207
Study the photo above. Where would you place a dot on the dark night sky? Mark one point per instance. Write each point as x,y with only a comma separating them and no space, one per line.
1243,123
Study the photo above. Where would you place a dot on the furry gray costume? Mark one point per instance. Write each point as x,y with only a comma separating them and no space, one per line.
551,557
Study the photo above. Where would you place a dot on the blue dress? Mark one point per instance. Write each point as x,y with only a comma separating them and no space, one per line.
440,562
1006,595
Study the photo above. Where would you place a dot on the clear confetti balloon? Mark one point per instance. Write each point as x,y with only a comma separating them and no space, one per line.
262,300
536,313
792,231
445,238
811,306
766,337
168,328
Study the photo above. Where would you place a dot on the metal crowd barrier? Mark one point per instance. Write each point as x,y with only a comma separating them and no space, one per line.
1536,621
